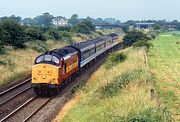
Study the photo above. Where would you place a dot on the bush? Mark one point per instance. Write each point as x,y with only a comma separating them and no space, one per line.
34,33
38,46
147,115
2,49
12,33
84,27
146,44
115,58
119,82
134,36
55,34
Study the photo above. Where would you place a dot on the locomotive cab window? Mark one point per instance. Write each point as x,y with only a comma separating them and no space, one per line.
47,58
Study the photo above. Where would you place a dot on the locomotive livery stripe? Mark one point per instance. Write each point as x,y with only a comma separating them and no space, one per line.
71,67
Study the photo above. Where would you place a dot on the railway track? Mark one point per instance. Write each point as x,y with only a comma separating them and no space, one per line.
33,105
14,87
12,97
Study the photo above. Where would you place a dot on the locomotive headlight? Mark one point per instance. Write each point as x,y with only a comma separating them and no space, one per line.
44,77
34,78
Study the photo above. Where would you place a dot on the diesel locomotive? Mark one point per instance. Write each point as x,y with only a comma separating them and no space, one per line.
53,69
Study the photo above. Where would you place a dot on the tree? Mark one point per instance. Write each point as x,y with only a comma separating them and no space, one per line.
28,21
44,20
134,36
85,27
11,33
157,27
34,33
73,20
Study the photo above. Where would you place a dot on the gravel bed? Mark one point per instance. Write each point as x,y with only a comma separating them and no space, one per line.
14,91
11,105
27,110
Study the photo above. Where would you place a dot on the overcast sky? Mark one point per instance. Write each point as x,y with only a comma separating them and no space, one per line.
120,9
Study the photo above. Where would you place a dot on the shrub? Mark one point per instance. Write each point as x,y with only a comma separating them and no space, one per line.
146,44
120,82
147,115
115,58
34,33
12,33
38,46
55,34
133,36
2,49
84,27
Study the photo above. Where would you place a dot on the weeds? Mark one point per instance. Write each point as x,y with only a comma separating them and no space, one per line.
115,58
146,44
38,46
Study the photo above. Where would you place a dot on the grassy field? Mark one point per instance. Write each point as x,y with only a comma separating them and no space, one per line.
122,92
18,63
164,60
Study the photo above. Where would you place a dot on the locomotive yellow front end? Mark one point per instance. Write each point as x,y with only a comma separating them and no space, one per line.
45,74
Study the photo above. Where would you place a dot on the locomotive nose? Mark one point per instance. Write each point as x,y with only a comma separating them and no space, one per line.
44,73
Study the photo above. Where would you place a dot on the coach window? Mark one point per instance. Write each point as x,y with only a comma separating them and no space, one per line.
92,51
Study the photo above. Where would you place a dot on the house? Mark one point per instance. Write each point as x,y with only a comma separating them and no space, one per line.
144,25
60,21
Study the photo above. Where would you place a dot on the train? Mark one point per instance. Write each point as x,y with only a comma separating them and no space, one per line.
52,70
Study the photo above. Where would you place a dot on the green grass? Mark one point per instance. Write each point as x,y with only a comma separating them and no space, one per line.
171,33
119,94
164,60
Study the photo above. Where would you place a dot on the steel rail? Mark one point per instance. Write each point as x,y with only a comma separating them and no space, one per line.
20,84
19,93
18,109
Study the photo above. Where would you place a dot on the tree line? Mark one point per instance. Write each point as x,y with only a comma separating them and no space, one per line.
13,33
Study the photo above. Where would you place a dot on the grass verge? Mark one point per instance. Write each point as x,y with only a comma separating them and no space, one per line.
164,59
122,93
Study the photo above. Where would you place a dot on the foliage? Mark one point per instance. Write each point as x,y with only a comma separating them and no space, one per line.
11,33
38,46
84,27
115,58
73,20
2,49
133,36
120,82
54,33
34,33
147,115
146,44
44,20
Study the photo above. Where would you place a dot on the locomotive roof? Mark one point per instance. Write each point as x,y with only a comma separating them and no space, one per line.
113,34
61,52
